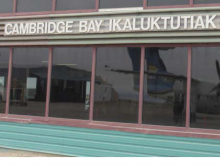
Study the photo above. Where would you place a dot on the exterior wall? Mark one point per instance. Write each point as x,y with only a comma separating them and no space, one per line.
93,142
74,141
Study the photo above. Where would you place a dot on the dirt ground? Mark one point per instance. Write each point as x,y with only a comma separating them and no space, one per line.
18,153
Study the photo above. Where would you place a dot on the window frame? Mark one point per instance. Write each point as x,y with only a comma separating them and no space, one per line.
168,6
8,14
126,127
145,7
10,69
50,65
8,83
76,11
13,10
120,8
191,4
30,13
205,5
53,11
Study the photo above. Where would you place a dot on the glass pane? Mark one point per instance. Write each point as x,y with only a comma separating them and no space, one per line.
165,83
104,4
206,1
117,84
167,2
34,5
29,81
75,5
205,90
6,6
4,60
70,86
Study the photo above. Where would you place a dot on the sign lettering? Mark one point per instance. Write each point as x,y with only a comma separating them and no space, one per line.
163,23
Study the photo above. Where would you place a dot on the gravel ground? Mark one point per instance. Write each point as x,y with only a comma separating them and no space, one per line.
17,153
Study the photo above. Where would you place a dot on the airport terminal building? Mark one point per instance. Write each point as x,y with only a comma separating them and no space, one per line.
110,77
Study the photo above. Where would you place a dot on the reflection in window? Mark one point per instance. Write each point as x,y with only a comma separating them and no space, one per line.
165,86
4,60
205,90
117,84
167,2
75,5
70,86
206,1
34,5
29,81
104,4
6,6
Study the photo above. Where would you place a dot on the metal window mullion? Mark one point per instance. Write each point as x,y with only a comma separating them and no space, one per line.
50,61
141,88
92,95
188,87
97,5
144,4
14,6
9,81
54,5
191,2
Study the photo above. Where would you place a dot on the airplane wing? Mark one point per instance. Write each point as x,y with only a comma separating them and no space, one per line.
169,75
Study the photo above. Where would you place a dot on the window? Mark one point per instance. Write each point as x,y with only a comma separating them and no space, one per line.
29,81
6,6
165,83
75,4
116,87
117,84
205,88
4,60
34,5
104,4
206,1
167,2
71,80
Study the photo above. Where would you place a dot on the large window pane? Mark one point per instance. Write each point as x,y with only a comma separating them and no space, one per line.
6,6
117,84
70,86
75,4
206,1
205,91
165,83
167,2
29,81
4,59
34,5
120,3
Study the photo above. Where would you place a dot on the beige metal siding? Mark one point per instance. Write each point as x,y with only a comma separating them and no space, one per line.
188,36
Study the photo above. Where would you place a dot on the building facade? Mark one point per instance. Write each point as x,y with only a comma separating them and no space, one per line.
110,77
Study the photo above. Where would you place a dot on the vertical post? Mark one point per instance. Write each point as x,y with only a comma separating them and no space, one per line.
14,6
188,87
141,88
144,4
50,61
97,5
54,6
191,3
9,82
94,50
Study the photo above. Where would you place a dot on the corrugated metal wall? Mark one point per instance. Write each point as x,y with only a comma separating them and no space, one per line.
91,142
